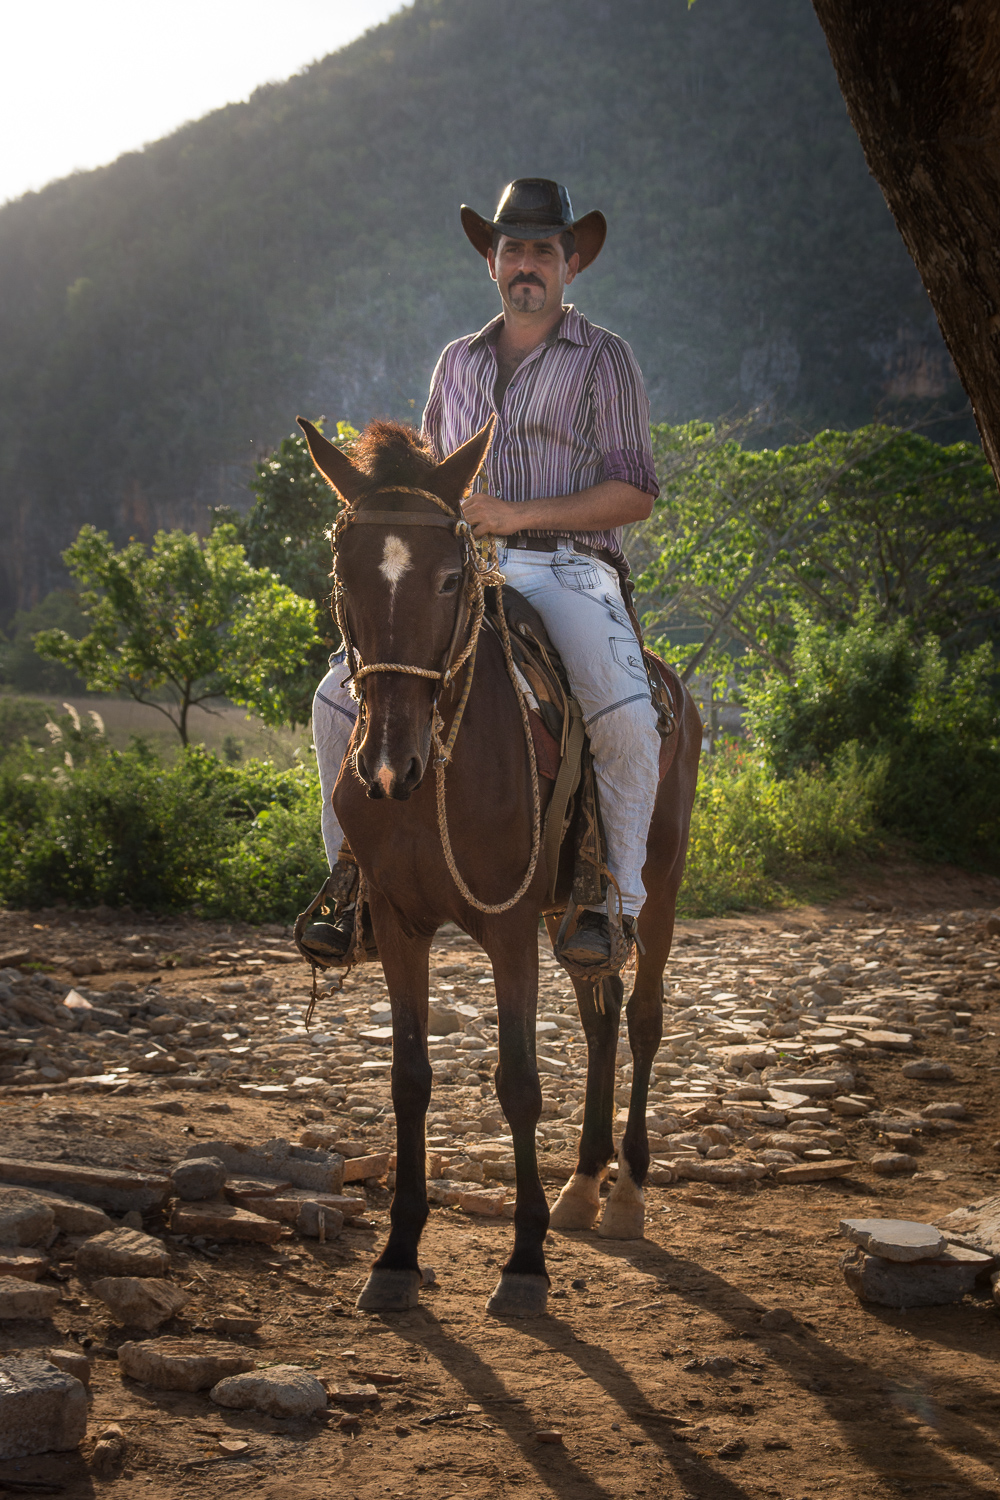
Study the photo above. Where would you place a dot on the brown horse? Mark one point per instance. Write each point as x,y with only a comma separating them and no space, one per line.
402,563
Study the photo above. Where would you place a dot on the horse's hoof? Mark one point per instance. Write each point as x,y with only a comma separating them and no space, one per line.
519,1296
623,1220
389,1291
578,1205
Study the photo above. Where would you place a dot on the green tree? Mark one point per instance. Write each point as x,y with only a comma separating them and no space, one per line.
188,618
20,664
745,544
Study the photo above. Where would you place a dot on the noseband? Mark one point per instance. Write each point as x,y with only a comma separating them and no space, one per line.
479,573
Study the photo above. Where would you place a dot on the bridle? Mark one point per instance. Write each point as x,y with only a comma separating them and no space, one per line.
479,573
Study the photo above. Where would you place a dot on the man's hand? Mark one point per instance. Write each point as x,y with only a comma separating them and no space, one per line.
490,516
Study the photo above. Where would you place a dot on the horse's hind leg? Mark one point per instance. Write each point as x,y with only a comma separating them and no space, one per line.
624,1213
394,1281
579,1203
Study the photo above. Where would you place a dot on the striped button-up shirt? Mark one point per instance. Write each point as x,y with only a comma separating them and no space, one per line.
575,413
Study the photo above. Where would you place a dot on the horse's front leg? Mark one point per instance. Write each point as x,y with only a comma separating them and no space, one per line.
523,1288
394,1281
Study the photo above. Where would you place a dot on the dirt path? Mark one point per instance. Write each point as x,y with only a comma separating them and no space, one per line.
843,1400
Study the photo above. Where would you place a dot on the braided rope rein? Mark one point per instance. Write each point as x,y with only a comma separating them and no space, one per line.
480,573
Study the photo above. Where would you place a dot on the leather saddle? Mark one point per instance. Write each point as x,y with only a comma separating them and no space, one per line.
573,837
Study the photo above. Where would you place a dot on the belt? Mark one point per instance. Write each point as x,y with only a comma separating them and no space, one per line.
527,543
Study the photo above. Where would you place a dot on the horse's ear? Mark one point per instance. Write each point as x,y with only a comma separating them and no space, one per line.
453,477
335,467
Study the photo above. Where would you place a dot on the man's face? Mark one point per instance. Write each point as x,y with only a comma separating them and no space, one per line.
532,274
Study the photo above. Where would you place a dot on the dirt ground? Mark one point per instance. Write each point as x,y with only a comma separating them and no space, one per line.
848,1400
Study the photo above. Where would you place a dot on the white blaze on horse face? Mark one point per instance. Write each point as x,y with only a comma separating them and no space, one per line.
395,561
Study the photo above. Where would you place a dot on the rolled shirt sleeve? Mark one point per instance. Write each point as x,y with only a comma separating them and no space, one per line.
621,419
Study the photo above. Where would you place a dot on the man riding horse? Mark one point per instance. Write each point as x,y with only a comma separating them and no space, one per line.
570,463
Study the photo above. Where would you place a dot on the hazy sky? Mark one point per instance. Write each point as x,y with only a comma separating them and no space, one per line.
85,80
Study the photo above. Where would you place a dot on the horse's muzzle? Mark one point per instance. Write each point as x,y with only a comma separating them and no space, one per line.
386,781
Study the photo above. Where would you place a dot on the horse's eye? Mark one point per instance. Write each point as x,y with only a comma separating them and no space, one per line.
451,583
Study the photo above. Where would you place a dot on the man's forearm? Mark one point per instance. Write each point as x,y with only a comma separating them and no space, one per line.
599,508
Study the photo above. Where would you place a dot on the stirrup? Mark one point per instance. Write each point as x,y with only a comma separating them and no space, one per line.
338,893
623,941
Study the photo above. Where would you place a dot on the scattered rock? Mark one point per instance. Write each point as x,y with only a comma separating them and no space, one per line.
281,1391
236,1322
221,1221
928,1068
109,1453
816,1171
777,1320
25,1219
24,1263
123,1252
924,1283
23,1299
978,1224
354,1395
174,1364
943,1109
549,1435
892,1163
318,1221
735,1448
847,1107
73,1361
140,1302
361,1167
198,1178
300,1165
110,1189
75,1218
42,1409
895,1239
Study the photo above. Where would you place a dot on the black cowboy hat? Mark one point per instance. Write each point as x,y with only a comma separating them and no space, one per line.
533,208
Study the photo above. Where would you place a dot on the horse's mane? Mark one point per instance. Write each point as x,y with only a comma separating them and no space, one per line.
393,453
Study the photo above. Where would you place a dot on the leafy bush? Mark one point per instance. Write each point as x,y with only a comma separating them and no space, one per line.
933,725
20,664
92,825
757,838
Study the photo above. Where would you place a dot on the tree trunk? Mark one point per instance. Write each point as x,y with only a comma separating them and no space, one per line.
921,80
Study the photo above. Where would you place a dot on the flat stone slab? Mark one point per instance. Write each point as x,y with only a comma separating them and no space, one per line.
42,1409
223,1221
183,1364
117,1191
360,1167
892,1041
813,1088
979,1224
895,1239
816,1171
281,1391
123,1252
925,1283
140,1301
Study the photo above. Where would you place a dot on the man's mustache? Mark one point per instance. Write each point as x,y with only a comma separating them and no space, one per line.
526,278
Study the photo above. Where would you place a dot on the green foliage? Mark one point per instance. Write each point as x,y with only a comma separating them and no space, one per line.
126,829
747,546
932,724
287,529
189,617
758,840
20,665
21,719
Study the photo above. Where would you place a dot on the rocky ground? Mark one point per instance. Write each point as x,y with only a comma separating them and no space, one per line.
722,1356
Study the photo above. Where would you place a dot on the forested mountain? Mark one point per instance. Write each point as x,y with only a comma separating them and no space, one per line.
163,319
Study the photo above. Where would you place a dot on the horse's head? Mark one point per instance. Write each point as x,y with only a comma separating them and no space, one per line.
403,597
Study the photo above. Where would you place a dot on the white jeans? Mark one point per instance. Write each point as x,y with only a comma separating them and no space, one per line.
580,602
